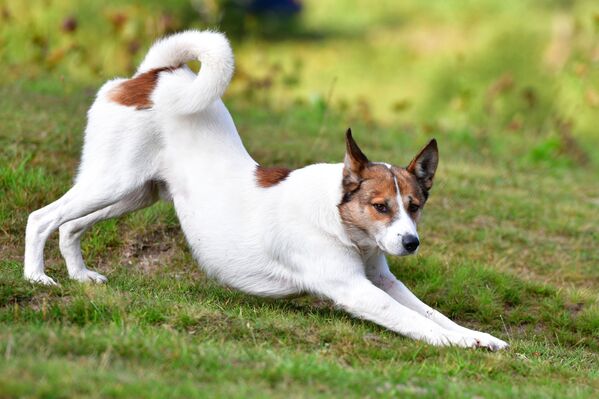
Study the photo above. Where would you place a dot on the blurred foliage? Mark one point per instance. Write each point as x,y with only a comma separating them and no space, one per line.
506,78
89,39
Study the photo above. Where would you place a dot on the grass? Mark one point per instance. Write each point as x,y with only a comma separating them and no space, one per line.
510,234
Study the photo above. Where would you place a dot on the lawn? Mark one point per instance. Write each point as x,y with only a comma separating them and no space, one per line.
510,235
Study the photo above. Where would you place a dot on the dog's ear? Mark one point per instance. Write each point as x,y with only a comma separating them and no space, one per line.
355,163
424,165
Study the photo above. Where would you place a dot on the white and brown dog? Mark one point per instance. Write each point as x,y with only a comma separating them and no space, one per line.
323,229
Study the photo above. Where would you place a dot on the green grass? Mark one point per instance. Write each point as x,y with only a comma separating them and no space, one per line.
510,234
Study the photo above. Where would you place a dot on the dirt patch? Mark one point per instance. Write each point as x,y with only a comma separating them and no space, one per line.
574,308
41,301
152,251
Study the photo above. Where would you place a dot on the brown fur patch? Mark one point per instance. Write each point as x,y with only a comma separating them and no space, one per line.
377,186
268,177
136,92
370,200
411,191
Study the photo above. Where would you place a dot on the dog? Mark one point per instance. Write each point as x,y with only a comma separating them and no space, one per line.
323,229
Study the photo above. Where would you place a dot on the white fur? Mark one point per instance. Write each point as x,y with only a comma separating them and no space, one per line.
279,241
389,237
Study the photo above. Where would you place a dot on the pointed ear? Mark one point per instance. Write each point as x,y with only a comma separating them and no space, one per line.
424,165
355,160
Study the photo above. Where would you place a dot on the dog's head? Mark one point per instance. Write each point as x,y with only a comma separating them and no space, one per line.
382,203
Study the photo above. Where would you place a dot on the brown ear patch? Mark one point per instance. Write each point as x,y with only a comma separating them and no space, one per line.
424,165
357,209
410,189
136,92
268,177
355,159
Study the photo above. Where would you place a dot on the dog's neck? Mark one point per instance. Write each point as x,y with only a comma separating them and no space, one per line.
369,251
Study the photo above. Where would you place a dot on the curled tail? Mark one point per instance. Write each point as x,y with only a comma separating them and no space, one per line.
179,94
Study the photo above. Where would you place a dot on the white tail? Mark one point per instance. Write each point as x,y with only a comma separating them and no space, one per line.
181,96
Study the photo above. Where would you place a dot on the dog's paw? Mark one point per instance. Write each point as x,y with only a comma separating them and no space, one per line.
489,342
89,276
449,338
40,278
471,339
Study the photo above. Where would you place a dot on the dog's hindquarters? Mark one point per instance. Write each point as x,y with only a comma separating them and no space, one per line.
123,140
124,137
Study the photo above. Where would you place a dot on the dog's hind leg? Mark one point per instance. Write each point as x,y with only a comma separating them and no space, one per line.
71,232
80,200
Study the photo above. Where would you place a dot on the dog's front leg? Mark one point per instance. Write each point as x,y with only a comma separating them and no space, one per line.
378,272
361,298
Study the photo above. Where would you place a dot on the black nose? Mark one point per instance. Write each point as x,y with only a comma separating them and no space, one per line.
410,242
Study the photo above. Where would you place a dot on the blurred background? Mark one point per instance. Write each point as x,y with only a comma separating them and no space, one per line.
510,89
513,80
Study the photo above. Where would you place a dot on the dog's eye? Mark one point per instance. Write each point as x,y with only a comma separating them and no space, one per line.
413,208
381,208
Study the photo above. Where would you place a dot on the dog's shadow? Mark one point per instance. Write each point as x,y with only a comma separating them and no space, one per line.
322,321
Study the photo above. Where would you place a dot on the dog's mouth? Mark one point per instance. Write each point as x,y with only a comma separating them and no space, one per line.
401,252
